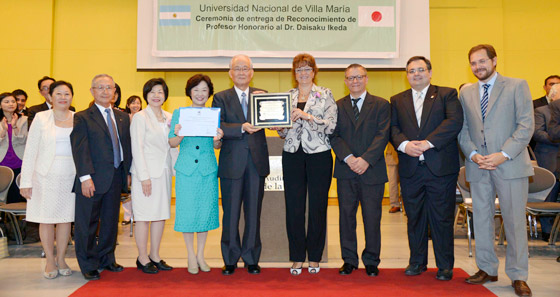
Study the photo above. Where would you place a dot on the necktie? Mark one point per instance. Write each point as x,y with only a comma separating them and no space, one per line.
114,139
418,104
355,108
484,100
244,104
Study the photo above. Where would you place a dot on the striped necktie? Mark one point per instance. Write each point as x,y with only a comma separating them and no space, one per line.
484,101
114,139
355,108
244,104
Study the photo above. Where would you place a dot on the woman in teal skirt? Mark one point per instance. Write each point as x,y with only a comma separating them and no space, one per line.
196,179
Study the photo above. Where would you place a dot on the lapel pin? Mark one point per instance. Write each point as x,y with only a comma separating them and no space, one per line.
432,97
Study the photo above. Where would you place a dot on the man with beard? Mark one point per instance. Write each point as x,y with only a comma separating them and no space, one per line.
498,124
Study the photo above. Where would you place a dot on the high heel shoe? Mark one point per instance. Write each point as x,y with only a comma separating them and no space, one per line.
161,265
296,270
203,266
149,268
193,267
313,270
51,274
65,271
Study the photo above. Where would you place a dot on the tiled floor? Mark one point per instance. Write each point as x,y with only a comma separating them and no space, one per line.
22,276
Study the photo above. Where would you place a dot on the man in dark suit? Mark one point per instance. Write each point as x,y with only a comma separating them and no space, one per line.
101,149
21,99
242,169
548,83
44,85
359,141
425,122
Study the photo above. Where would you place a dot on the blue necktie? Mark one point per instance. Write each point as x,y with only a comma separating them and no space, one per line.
484,101
114,139
244,104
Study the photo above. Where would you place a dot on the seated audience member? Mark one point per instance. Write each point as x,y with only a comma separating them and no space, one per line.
546,152
47,177
548,83
13,135
21,99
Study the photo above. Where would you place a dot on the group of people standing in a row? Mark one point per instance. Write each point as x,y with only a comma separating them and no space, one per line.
92,152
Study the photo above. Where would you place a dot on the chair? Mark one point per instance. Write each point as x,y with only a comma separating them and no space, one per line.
540,186
12,210
125,197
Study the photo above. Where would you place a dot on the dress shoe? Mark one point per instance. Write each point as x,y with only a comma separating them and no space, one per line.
480,278
394,209
296,270
313,269
346,269
228,269
192,267
372,270
51,274
521,288
254,269
203,266
149,268
415,269
91,275
545,236
161,265
65,271
444,274
558,259
114,267
124,223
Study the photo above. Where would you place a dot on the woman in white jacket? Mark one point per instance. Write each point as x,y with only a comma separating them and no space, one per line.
47,177
151,175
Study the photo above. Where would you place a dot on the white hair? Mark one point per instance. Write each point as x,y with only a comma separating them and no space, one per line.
240,56
101,76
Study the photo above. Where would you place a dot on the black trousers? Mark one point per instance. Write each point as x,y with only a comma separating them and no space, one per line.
13,193
351,193
306,175
429,200
247,191
102,210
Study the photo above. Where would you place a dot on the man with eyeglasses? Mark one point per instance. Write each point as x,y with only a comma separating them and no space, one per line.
425,122
101,149
498,125
243,167
359,141
43,84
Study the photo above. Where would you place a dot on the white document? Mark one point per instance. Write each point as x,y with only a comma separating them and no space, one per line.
199,121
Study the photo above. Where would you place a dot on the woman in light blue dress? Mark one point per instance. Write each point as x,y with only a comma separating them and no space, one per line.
196,183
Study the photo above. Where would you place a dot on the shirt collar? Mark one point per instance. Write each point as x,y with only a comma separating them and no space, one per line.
490,82
239,92
362,96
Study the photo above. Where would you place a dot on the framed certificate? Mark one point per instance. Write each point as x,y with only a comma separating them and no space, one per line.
271,110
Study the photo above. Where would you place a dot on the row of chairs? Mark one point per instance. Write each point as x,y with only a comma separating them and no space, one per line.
540,186
12,210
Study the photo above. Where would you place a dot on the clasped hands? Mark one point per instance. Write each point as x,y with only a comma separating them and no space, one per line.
489,162
415,148
358,165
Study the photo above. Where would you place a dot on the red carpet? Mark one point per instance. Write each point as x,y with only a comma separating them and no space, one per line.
278,282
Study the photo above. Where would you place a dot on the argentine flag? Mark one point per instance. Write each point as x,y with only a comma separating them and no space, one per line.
174,15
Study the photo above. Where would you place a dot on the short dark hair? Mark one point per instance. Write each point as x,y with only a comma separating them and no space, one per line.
197,79
60,83
20,92
490,51
149,85
355,65
130,100
118,92
545,80
418,58
43,79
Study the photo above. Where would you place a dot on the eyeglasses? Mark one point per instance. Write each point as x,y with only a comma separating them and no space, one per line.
241,69
45,88
416,70
303,69
479,62
358,77
103,88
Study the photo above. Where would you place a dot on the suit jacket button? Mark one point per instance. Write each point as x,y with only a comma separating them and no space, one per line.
197,147
196,161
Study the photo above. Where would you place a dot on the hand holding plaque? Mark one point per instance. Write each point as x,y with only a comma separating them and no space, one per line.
271,110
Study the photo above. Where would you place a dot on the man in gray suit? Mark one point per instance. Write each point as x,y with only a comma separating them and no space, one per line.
242,169
498,124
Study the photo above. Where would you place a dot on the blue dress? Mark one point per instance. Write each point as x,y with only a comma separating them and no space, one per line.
196,183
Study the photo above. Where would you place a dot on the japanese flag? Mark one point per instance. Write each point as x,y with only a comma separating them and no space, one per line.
376,16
